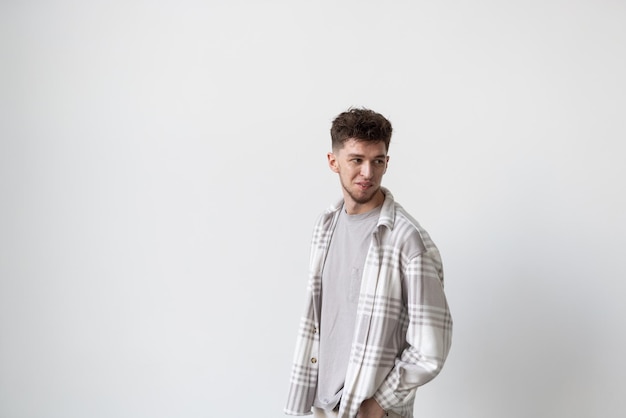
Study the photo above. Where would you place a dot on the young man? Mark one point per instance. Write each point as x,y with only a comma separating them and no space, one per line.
376,324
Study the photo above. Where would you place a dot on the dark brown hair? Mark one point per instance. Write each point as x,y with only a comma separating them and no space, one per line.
360,124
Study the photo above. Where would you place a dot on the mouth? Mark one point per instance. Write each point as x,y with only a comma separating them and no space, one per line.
364,186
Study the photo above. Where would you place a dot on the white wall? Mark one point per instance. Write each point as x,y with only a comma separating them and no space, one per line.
162,164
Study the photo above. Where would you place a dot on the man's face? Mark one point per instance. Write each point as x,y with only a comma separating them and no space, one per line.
360,165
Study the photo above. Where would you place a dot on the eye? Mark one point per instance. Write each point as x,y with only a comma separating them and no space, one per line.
357,160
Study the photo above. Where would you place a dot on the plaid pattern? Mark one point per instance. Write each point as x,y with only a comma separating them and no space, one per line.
403,328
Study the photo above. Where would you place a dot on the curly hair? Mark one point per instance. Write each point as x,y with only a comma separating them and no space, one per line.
360,124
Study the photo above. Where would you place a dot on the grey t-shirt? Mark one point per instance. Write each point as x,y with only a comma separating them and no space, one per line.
341,283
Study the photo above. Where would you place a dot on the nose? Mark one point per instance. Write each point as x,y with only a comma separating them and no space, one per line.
366,170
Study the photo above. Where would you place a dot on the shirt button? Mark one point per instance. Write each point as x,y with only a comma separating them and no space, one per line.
313,360
314,330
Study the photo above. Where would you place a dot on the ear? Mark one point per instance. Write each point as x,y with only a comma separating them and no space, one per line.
386,164
332,162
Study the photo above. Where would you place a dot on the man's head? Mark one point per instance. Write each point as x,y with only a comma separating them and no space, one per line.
360,139
362,125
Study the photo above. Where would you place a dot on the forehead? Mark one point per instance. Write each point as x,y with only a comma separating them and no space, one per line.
365,148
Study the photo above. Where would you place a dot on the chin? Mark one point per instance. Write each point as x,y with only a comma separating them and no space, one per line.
362,199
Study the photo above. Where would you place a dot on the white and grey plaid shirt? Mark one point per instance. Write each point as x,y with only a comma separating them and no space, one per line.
403,327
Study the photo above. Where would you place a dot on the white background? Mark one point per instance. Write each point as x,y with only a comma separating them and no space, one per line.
162,164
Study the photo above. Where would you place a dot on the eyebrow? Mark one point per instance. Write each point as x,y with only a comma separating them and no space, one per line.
363,156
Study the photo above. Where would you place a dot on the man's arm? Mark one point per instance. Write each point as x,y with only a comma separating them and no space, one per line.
428,335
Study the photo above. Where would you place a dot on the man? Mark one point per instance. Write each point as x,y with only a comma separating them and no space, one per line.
376,324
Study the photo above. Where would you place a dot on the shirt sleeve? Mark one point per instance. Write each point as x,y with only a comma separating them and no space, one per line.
428,335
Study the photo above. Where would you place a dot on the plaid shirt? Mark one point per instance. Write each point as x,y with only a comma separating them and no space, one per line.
403,326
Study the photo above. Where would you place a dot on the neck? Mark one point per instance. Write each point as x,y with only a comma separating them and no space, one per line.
355,208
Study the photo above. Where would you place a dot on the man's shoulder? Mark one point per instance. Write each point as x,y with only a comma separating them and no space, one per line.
325,219
409,233
404,219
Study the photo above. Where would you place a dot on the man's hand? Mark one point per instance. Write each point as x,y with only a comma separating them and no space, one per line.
370,409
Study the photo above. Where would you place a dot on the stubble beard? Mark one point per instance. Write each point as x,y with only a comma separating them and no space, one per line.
361,200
